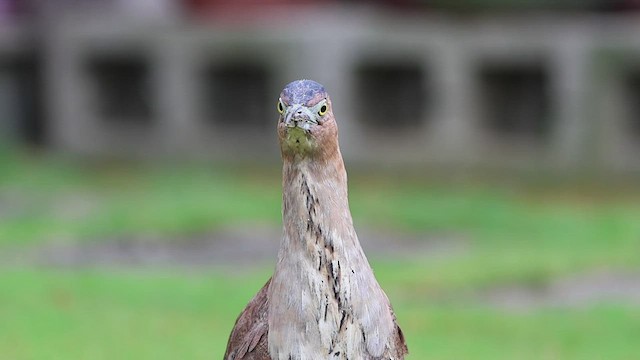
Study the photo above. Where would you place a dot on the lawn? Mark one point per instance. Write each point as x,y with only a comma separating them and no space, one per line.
517,234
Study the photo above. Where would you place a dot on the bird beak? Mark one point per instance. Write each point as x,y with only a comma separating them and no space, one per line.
299,116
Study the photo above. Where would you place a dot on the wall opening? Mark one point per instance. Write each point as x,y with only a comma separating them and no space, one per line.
515,100
632,100
21,105
121,89
391,96
237,96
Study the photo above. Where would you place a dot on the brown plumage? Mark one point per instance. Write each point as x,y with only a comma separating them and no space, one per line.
323,301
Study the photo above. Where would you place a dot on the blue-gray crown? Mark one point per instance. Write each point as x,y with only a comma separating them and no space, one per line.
301,91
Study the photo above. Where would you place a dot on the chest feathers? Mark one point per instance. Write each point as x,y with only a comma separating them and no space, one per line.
324,299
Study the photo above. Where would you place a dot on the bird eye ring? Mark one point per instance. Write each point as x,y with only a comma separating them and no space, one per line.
280,107
323,110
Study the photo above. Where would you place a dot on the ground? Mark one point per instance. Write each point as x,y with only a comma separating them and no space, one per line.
153,262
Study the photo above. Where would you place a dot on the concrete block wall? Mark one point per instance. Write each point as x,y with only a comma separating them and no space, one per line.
555,93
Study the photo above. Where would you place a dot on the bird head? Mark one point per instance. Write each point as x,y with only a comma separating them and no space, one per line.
306,126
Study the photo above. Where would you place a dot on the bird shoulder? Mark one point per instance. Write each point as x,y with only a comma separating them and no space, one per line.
248,340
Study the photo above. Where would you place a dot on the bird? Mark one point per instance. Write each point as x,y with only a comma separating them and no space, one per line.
323,300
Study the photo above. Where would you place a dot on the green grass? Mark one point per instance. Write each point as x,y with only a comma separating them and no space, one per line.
513,233
58,201
106,315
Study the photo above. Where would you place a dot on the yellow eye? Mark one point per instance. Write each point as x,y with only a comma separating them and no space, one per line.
323,110
280,107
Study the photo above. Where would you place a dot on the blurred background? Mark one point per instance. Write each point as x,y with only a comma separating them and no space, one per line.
492,149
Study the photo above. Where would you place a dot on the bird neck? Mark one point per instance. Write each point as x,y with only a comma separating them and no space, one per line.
315,207
323,297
